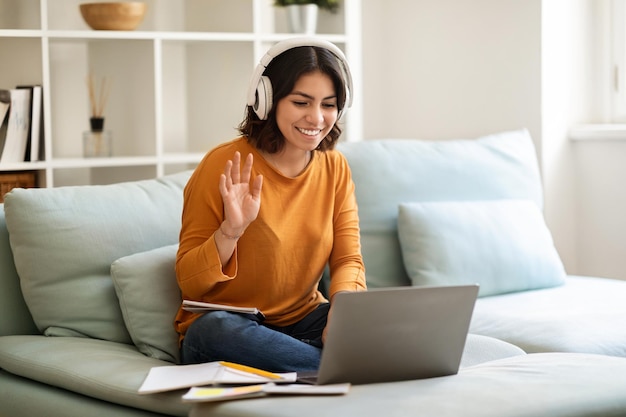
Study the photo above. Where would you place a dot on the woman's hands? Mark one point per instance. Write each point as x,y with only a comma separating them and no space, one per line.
242,200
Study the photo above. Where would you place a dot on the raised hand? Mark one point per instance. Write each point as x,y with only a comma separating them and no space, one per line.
242,200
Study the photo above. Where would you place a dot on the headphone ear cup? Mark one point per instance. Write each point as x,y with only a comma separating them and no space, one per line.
264,95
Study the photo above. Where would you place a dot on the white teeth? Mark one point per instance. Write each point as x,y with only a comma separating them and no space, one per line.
310,132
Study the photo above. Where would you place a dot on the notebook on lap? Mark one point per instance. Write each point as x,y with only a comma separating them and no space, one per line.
396,334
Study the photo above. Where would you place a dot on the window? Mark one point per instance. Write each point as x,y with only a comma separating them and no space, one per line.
618,61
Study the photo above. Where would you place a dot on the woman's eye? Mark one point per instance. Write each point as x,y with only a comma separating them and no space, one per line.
300,103
329,105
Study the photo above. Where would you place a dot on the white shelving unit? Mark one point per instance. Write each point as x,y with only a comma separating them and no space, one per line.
178,82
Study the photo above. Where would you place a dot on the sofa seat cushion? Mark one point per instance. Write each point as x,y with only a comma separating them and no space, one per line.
65,239
503,245
584,315
549,384
105,370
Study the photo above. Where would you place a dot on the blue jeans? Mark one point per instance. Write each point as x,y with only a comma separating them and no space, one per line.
242,338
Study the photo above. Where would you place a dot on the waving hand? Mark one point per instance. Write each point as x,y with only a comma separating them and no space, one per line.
242,199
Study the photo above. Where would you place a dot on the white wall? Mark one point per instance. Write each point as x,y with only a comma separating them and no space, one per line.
441,69
451,68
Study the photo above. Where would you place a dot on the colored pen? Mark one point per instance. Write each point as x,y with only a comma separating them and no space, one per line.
250,370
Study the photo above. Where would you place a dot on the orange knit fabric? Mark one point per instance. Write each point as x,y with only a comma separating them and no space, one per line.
303,224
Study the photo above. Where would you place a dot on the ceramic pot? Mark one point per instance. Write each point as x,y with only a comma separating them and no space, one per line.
302,18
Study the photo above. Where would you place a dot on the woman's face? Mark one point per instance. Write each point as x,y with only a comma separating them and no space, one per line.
307,114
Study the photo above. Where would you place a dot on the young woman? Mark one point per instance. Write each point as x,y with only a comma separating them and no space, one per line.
265,214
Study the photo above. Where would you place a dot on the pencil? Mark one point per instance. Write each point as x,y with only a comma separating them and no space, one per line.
250,369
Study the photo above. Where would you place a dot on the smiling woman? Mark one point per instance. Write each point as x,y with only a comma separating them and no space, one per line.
265,213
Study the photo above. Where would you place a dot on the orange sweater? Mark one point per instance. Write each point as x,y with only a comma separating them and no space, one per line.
303,224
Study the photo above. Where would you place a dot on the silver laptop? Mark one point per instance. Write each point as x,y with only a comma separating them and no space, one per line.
395,334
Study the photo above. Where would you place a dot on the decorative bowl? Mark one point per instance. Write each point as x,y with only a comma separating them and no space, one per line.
113,15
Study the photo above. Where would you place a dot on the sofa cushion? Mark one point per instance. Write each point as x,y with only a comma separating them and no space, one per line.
65,239
393,171
14,315
503,245
146,286
584,315
100,369
544,384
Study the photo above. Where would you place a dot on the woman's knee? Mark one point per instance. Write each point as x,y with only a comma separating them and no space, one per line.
218,323
213,334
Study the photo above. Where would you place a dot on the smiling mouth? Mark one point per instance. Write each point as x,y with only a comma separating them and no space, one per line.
310,132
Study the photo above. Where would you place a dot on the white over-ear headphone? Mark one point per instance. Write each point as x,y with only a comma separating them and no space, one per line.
260,93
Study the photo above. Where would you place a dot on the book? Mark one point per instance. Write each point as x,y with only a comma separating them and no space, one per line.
17,128
170,378
35,131
202,307
208,394
5,104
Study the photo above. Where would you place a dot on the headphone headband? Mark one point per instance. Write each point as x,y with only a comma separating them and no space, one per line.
259,95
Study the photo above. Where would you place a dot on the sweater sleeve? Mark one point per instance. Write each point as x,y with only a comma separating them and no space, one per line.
198,267
347,271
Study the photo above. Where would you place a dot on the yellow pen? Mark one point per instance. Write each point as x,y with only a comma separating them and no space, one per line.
250,369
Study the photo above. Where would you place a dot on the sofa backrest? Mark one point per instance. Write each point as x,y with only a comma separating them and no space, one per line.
65,239
14,315
390,172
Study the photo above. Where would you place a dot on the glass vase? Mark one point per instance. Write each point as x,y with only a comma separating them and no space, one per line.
97,144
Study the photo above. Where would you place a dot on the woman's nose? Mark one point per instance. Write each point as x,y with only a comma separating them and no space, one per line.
315,115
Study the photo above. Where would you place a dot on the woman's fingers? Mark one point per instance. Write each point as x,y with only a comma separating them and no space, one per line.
257,185
228,179
236,167
222,186
247,169
235,174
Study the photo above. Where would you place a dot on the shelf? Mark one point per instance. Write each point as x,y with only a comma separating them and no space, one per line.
191,158
127,35
70,163
148,35
103,162
23,166
21,33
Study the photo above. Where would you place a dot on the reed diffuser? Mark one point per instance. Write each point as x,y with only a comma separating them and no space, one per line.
97,141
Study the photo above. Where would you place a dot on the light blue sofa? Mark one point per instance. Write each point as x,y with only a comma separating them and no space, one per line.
88,293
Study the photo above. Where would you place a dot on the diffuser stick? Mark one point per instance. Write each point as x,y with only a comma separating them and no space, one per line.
98,99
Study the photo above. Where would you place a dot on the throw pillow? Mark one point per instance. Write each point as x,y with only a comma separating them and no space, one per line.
149,296
503,245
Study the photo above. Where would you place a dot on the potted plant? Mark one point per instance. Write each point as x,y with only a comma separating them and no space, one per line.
330,5
302,14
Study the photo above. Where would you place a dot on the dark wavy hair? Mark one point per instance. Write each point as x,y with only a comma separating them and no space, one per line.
283,72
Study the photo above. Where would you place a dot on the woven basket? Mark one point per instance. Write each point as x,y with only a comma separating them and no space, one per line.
11,180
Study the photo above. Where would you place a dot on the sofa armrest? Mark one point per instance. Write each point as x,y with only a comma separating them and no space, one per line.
14,315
